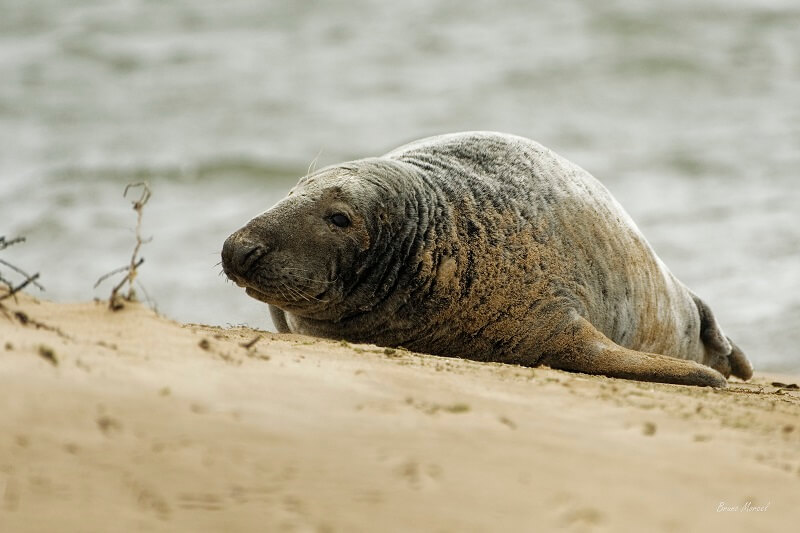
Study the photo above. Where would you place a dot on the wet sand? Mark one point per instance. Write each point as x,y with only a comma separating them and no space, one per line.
127,421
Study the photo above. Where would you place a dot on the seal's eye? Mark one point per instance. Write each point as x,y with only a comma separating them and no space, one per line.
340,219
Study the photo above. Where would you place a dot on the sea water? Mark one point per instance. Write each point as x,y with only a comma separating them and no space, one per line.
688,111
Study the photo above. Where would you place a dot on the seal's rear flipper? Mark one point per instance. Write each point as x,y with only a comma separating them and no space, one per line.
721,353
740,365
581,348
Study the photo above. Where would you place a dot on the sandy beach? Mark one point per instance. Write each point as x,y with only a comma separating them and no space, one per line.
128,421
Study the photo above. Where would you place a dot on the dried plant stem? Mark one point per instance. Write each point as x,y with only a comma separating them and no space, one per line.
5,244
29,279
138,206
115,300
12,290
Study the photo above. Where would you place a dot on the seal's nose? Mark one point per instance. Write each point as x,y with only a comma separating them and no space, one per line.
239,255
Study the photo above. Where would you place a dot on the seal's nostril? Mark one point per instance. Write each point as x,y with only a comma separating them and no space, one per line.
238,255
245,255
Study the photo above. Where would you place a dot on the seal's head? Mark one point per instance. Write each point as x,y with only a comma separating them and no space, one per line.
309,252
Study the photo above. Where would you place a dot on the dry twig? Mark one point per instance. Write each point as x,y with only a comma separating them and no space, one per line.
115,300
12,289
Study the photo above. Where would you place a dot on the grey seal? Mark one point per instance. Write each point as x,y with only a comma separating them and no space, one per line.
479,245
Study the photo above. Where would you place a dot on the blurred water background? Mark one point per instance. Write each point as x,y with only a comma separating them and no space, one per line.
687,110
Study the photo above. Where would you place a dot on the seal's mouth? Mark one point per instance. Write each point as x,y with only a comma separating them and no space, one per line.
247,286
258,295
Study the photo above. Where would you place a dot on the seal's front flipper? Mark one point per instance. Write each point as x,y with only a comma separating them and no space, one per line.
581,348
279,319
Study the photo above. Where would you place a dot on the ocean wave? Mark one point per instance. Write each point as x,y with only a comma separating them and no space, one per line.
230,168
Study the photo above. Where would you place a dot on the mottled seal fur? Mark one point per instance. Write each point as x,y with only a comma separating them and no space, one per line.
479,245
